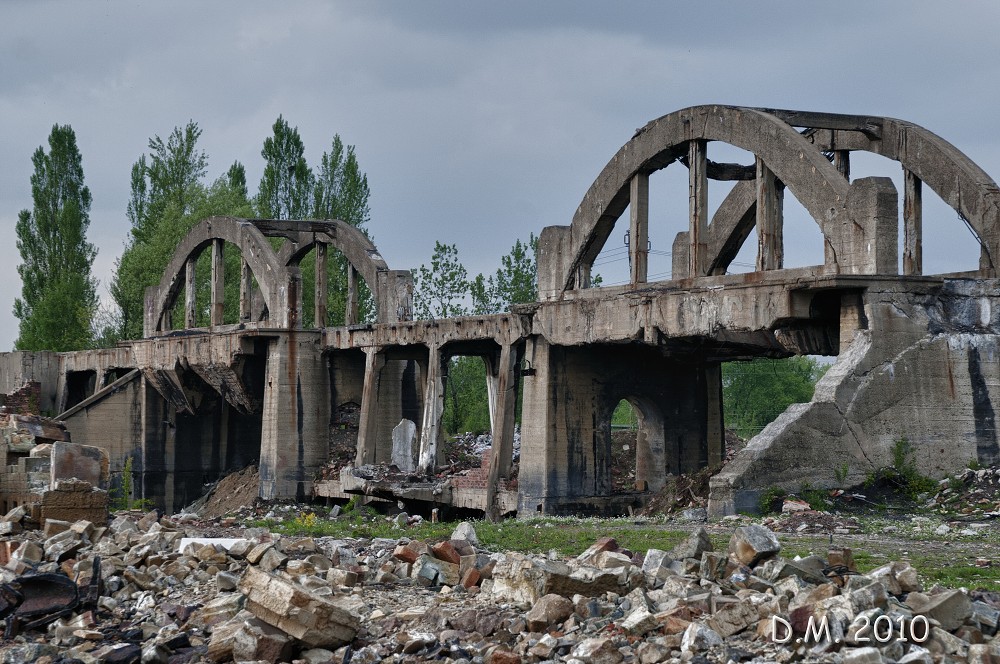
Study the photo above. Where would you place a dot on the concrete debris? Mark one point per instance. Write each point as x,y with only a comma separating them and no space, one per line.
148,589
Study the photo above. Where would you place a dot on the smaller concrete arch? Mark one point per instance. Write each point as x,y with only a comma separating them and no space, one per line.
391,289
274,278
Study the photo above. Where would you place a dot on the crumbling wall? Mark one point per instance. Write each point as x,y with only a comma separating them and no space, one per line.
925,369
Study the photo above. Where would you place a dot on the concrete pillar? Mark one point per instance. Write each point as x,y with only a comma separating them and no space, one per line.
296,416
842,162
639,228
218,282
698,207
538,431
156,446
351,309
246,293
320,293
368,420
502,415
770,219
680,257
872,228
430,430
190,290
913,211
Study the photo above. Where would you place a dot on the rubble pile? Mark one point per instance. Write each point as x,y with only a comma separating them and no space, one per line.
153,590
970,492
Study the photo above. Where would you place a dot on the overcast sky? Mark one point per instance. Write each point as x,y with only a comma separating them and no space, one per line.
477,123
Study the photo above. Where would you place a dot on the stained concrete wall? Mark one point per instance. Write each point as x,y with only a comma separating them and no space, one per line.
925,368
20,367
114,424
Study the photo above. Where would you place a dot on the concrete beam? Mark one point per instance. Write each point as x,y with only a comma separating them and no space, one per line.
770,220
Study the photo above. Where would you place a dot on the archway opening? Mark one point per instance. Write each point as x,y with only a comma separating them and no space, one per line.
637,447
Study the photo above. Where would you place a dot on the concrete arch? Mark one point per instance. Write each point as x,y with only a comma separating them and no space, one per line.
273,277
802,168
355,245
949,173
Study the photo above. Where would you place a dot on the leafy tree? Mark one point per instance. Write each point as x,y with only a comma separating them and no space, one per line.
58,294
754,393
286,188
515,280
166,189
340,192
438,291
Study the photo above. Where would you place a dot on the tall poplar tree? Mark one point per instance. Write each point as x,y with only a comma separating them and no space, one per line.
167,190
58,294
286,188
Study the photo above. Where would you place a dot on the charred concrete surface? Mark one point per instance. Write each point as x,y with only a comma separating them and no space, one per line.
917,354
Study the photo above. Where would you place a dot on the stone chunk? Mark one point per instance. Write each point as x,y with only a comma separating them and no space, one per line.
404,436
696,544
314,620
83,462
950,607
698,637
548,611
465,531
256,640
752,544
866,655
597,651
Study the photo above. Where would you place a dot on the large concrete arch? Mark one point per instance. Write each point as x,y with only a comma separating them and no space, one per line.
273,276
806,172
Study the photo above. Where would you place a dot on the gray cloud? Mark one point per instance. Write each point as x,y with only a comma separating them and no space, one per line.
477,123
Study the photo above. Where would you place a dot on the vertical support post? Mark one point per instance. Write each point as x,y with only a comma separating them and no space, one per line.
351,310
842,162
433,409
583,276
368,420
246,292
715,432
321,290
770,220
502,421
218,282
190,314
639,228
698,207
913,212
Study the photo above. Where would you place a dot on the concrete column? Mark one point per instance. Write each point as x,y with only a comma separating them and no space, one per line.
873,227
351,309
680,261
913,212
218,282
639,228
246,293
320,293
502,415
430,430
538,432
156,446
190,289
368,420
770,221
296,416
698,207
842,162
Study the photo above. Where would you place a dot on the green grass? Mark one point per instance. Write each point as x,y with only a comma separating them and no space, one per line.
939,560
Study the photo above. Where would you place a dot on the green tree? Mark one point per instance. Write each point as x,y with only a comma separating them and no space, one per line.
515,280
340,192
439,290
754,393
286,188
58,294
166,189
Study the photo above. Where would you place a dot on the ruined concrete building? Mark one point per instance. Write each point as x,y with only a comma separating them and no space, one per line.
917,355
